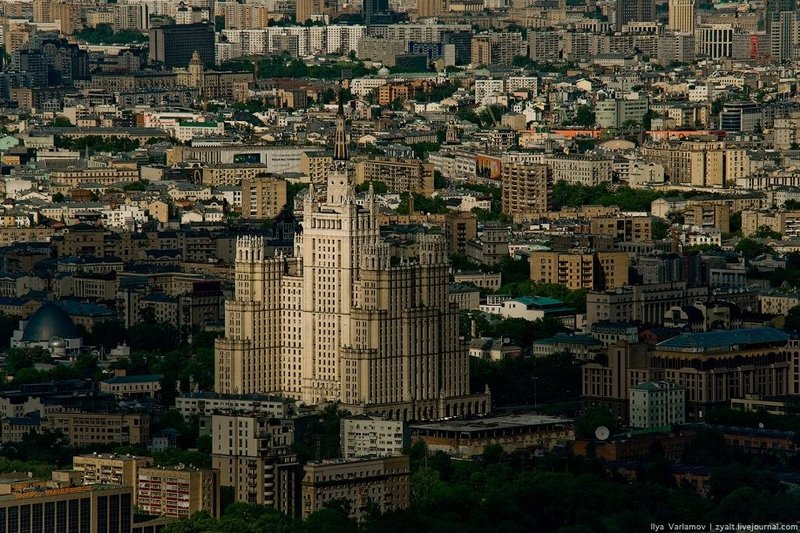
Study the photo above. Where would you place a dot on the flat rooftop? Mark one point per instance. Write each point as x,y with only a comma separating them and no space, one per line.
492,423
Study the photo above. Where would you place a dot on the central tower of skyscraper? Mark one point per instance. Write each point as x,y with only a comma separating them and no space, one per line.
352,317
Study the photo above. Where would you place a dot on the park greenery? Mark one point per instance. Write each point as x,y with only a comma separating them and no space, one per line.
105,34
559,493
98,144
284,66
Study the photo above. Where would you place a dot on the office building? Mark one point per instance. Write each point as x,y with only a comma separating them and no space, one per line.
44,507
618,112
717,366
634,11
682,16
324,324
305,9
177,492
173,46
715,40
657,404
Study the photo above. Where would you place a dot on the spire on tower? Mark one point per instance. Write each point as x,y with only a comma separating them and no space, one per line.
340,150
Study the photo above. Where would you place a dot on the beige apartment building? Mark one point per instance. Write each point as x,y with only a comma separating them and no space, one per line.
333,322
581,169
399,175
460,228
590,270
621,228
263,197
229,174
699,163
385,482
316,165
787,223
708,215
109,468
178,492
99,176
252,452
525,189
84,429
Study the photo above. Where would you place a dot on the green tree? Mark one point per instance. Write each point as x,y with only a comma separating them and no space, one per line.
62,122
593,418
584,116
792,320
751,248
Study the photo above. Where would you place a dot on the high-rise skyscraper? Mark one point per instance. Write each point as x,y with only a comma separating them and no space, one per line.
175,45
306,8
682,16
372,8
773,10
634,11
352,317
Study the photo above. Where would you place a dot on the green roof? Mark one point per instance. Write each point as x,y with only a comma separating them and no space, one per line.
725,340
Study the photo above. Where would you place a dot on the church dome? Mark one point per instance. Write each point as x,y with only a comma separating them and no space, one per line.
49,322
383,72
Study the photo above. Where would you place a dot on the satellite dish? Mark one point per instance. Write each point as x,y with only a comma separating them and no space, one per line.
761,425
602,433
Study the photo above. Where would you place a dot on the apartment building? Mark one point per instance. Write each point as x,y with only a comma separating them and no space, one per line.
178,492
86,429
657,404
109,468
622,228
263,197
640,303
581,169
205,403
399,175
589,270
365,436
316,165
382,482
252,453
526,189
460,227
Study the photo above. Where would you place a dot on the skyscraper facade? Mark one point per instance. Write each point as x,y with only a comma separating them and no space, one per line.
351,317
682,16
175,45
634,11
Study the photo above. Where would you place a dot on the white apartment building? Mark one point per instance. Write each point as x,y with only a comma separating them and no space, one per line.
372,436
656,404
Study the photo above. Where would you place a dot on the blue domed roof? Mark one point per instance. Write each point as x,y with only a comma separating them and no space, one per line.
47,323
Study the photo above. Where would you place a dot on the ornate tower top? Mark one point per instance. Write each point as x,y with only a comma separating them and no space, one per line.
340,150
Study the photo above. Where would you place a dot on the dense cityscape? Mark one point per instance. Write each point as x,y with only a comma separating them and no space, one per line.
399,266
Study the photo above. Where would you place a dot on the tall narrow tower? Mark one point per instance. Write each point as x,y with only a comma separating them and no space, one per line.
340,152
